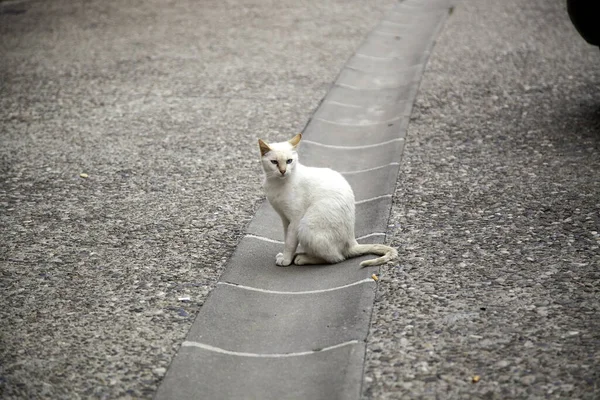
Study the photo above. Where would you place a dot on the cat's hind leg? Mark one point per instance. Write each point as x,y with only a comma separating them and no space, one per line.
306,259
320,245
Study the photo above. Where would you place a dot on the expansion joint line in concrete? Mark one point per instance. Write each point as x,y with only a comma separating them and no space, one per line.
360,171
402,24
371,235
266,239
383,33
337,103
368,123
366,146
254,289
265,355
396,72
377,57
345,85
385,196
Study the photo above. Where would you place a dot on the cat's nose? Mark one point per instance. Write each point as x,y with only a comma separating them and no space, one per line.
282,171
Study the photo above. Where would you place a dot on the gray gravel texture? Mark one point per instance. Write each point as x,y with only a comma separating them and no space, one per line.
160,104
496,217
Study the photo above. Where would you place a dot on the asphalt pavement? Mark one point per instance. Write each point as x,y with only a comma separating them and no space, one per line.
129,173
160,104
496,216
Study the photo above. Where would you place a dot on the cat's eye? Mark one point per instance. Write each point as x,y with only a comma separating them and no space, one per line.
274,162
289,161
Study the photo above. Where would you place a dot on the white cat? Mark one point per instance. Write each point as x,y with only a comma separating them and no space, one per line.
316,206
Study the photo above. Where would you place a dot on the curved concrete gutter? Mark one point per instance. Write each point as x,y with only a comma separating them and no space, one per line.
299,332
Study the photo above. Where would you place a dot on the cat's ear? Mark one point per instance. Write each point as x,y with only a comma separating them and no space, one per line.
295,140
264,148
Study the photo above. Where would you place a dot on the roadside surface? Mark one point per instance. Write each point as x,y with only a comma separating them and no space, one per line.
160,104
299,332
496,213
496,216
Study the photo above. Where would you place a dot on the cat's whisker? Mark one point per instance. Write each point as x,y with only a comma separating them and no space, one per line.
366,146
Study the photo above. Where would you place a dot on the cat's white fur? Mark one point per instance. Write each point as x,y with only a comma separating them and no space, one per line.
316,206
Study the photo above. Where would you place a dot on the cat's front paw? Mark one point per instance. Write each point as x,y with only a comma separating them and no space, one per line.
281,261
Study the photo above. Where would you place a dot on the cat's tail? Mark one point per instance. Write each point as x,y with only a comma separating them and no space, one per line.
387,253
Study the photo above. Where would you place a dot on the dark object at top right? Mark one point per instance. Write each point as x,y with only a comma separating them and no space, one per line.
585,15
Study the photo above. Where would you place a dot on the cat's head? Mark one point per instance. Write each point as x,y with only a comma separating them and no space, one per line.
279,159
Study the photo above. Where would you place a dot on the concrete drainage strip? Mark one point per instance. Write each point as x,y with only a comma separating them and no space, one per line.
300,332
